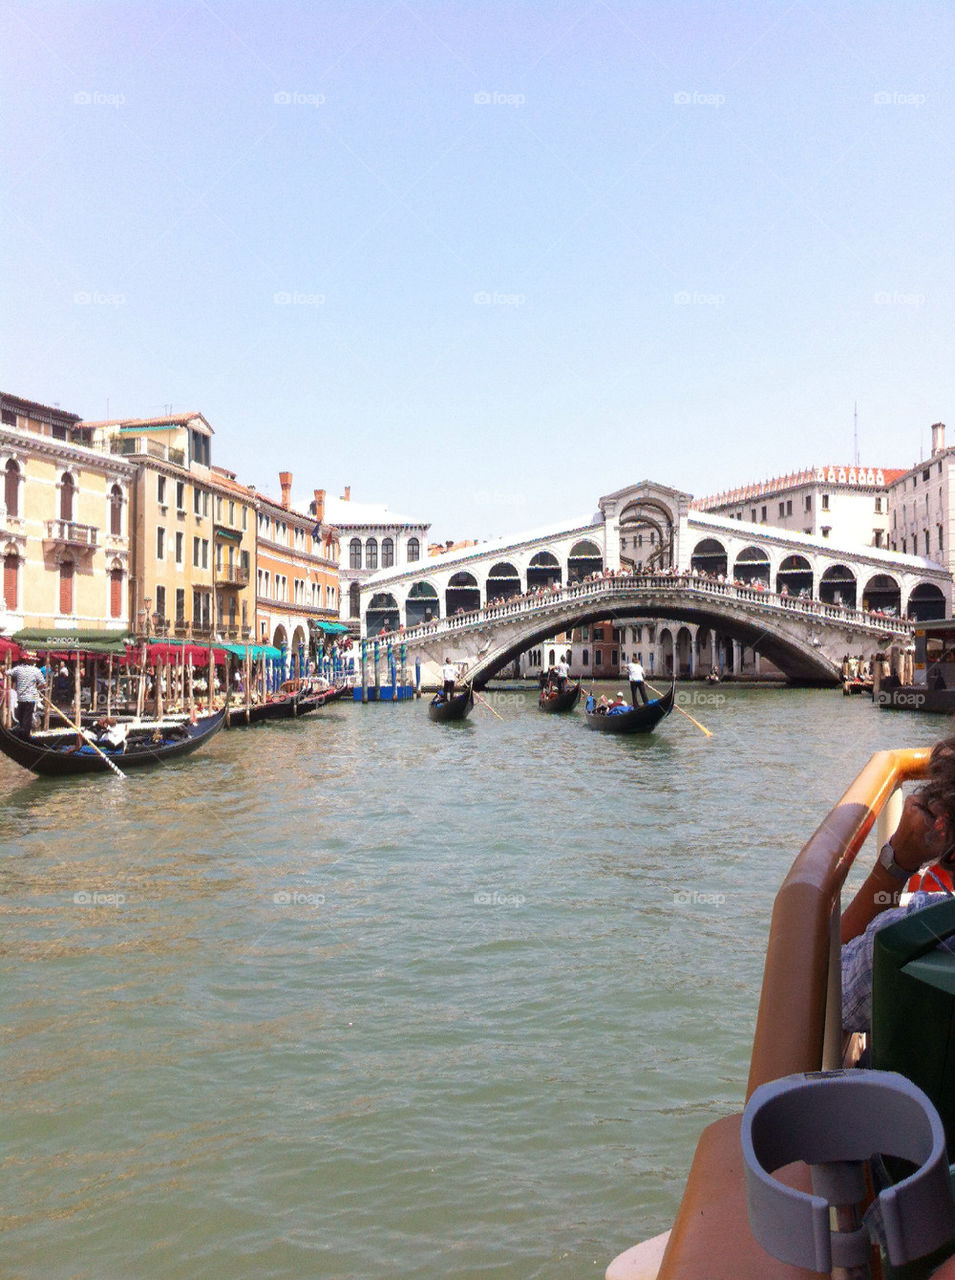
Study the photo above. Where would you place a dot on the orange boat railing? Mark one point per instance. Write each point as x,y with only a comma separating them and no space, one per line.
798,1027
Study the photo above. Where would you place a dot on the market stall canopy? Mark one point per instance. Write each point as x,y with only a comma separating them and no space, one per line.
173,651
255,651
44,640
330,628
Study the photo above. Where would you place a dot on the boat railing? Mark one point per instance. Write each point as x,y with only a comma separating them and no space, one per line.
799,1023
691,584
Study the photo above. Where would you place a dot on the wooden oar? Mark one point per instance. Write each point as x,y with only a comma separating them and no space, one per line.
83,734
486,703
701,727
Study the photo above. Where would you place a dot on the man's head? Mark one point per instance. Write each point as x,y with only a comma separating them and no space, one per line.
936,798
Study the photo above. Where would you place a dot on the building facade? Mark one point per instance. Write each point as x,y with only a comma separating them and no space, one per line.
65,524
234,555
297,584
921,506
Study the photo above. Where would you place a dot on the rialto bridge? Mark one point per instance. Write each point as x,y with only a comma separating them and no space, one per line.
800,601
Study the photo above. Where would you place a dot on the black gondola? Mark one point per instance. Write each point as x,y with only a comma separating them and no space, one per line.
558,702
454,708
59,755
637,720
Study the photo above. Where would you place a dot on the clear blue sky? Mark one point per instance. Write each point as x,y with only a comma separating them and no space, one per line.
486,262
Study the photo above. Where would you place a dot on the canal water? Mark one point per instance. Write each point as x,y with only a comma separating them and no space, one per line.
362,996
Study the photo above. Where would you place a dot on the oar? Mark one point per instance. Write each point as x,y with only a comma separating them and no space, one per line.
701,727
486,704
83,734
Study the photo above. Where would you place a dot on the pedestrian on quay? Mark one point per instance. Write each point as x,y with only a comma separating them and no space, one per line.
637,678
28,682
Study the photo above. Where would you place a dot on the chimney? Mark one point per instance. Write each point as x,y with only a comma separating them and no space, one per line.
285,480
346,496
319,505
938,437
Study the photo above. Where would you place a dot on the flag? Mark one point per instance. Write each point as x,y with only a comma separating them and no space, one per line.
317,533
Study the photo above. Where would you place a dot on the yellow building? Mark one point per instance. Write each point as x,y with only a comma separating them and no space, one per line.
177,527
234,556
64,524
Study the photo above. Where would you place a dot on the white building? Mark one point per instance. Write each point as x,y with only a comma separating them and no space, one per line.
848,504
371,538
921,514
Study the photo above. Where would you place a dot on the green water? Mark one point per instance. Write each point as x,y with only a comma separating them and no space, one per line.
362,996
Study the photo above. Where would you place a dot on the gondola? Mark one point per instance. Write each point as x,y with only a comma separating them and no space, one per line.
455,708
565,701
58,755
637,720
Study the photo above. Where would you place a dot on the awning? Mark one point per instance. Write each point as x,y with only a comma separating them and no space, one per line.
172,651
330,628
46,640
232,535
256,650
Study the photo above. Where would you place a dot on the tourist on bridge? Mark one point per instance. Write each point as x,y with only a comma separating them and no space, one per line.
637,678
449,673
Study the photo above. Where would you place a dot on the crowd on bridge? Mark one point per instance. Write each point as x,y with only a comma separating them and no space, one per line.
499,605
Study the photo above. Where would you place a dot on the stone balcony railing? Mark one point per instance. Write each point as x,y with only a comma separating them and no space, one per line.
232,575
69,533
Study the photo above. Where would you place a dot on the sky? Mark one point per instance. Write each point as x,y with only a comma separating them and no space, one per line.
485,262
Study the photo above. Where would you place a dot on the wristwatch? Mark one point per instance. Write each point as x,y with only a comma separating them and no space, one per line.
887,860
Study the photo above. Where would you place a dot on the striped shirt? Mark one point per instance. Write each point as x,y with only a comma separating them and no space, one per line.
27,680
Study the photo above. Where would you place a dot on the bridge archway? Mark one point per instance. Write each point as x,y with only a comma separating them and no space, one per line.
647,534
462,593
666,650
795,574
503,581
354,600
584,559
752,565
382,613
422,604
882,594
683,659
838,586
298,652
709,556
543,569
926,603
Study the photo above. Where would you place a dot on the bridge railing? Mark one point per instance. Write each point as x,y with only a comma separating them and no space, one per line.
606,588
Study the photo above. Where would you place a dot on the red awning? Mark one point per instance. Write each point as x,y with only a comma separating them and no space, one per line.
9,646
173,653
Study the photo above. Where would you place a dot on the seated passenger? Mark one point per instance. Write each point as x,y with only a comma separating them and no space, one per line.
110,734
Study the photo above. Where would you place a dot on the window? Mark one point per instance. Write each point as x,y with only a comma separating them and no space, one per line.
11,488
245,518
11,581
926,473
614,658
180,606
197,501
598,635
940,544
585,658
231,512
585,633
826,530
598,657
180,495
160,543
160,604
927,548
67,489
116,511
116,593
371,554
825,502
877,537
789,507
161,490
782,508
809,502
905,546
752,515
205,553
387,553
180,545
414,549
878,506
763,514
66,586
354,553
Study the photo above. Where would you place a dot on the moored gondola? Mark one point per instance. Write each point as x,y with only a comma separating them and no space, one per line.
59,755
636,720
455,708
557,702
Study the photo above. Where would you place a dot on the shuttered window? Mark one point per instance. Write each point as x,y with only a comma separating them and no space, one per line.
11,489
66,586
11,576
116,593
66,498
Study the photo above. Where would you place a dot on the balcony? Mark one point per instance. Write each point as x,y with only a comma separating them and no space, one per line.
67,533
232,575
141,447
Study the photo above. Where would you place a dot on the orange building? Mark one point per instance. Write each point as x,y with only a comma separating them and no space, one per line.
296,574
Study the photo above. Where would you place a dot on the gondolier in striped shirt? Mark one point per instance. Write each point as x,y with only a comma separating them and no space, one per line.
28,681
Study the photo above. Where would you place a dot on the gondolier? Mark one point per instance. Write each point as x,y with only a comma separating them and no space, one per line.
563,674
637,678
29,683
449,674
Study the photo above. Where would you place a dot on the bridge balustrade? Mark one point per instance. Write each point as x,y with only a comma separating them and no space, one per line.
604,588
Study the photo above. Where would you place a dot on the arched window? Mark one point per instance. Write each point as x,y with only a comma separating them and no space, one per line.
116,593
66,586
371,554
414,549
116,513
67,490
11,580
354,600
11,488
354,553
387,553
